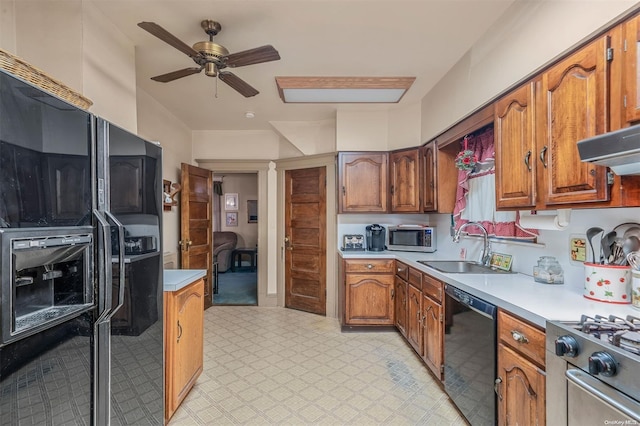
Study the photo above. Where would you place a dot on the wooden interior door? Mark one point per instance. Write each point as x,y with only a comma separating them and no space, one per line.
196,245
305,241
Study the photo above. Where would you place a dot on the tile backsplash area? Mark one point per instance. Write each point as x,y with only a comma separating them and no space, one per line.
525,256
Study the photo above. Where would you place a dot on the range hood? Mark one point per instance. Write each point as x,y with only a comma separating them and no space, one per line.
619,150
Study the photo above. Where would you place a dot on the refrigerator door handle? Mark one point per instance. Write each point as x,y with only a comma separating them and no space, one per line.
121,259
104,267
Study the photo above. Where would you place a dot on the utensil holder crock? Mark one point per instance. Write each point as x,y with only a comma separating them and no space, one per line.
607,283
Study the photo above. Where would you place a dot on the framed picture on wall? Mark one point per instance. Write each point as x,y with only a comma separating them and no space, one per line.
231,202
232,218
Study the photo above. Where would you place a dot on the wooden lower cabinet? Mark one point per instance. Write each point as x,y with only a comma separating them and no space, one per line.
433,337
369,292
521,377
184,326
414,318
401,305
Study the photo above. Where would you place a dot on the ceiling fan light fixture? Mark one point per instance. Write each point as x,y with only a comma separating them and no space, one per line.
343,89
210,69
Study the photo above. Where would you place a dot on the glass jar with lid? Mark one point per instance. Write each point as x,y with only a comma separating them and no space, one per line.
548,271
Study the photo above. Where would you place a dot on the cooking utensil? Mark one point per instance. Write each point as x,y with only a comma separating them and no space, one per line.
592,232
631,243
606,245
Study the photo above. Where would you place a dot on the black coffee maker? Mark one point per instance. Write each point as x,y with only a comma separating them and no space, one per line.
376,237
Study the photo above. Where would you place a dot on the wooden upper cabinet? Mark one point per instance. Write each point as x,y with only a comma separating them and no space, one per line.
631,69
404,176
428,156
572,105
363,178
515,147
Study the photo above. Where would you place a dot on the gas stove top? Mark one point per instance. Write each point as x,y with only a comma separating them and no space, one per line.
620,332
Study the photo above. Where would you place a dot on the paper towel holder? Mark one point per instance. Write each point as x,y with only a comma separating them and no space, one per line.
548,219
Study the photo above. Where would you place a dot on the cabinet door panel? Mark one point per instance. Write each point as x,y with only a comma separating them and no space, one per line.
414,319
364,182
401,305
632,69
573,106
429,179
515,147
369,299
405,181
521,398
433,335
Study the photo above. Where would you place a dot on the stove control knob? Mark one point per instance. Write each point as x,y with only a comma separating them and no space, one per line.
602,363
566,346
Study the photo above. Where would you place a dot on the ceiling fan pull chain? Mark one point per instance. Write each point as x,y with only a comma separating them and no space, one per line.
216,95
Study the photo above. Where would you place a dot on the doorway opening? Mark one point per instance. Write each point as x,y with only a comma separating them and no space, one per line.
235,238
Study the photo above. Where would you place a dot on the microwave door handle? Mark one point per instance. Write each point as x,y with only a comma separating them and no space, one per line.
104,266
120,262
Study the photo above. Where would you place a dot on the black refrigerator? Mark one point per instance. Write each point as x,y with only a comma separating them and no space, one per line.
81,315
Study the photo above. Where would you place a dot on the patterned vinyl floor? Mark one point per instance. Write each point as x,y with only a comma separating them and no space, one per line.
275,366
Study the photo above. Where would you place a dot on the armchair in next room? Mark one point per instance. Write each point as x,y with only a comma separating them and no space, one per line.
223,244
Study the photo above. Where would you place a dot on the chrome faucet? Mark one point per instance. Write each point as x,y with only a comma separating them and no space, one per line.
484,256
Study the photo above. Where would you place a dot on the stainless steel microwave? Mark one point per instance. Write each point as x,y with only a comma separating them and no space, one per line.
412,238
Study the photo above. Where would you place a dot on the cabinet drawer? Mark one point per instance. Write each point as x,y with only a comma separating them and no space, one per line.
402,270
432,287
369,265
521,336
415,278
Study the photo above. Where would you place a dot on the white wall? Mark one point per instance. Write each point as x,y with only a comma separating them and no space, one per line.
362,130
156,123
235,144
529,35
108,70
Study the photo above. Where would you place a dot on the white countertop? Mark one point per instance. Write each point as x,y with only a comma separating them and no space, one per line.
175,279
516,293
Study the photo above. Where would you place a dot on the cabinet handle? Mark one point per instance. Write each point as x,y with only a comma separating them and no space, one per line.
527,157
344,191
391,189
496,387
179,331
519,337
393,293
543,153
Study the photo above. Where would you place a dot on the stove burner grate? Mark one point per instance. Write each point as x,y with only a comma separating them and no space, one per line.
621,332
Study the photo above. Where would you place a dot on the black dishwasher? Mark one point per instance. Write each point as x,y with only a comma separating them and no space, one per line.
470,355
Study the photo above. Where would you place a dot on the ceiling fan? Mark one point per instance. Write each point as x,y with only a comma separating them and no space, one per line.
212,57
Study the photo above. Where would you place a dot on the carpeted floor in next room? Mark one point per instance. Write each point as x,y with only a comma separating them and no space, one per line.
237,288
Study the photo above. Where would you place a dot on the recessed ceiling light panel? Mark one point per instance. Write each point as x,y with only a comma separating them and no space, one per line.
343,89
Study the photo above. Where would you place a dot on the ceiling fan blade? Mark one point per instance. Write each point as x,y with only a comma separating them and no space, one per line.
238,84
165,78
169,38
252,56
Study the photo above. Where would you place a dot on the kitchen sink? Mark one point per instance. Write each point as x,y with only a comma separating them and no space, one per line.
461,267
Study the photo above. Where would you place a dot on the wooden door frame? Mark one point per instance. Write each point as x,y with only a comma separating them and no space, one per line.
262,168
329,162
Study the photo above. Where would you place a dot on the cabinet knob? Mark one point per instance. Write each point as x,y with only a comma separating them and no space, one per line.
519,337
369,266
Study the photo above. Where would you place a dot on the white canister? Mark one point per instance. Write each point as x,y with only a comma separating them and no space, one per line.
607,283
635,288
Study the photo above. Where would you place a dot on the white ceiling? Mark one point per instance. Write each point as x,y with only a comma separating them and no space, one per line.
421,38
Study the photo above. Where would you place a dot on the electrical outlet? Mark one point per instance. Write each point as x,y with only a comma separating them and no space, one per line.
463,253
